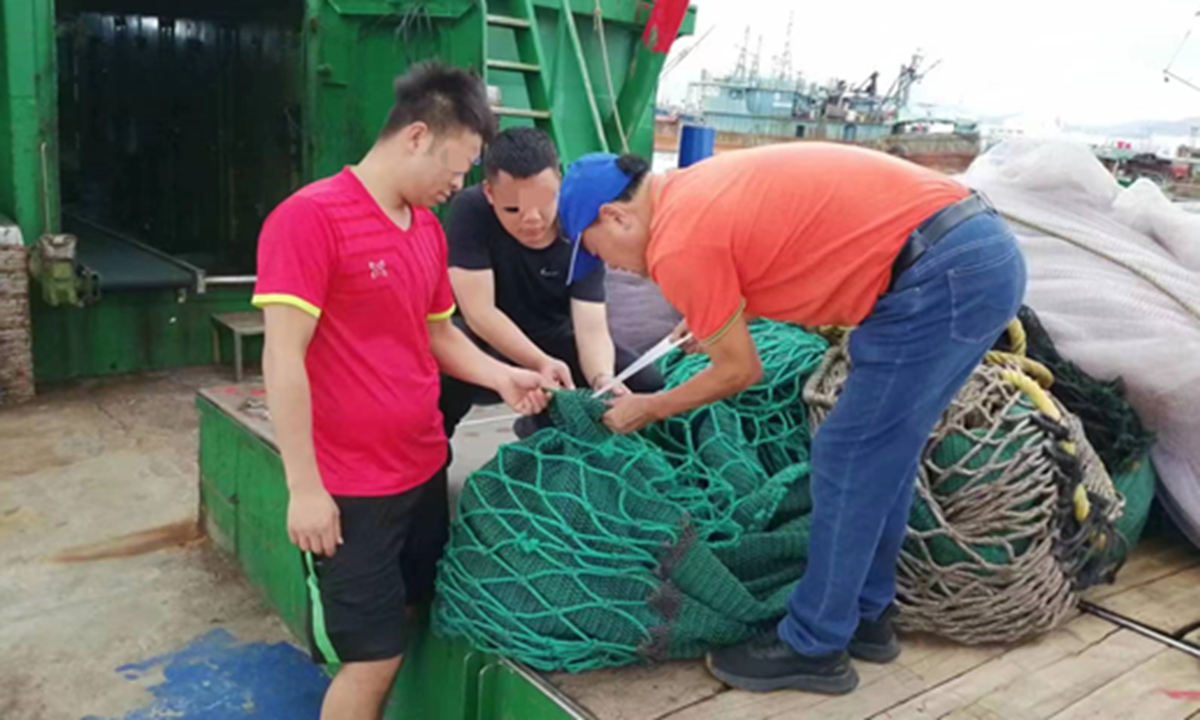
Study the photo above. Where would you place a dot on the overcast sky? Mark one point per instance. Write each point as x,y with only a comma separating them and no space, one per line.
1085,63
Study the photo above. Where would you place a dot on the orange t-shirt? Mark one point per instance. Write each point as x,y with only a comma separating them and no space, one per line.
800,232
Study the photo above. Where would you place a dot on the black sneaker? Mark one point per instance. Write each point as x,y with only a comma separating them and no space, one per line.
768,663
876,641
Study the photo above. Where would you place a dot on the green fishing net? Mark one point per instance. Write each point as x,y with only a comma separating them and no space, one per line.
578,549
1111,424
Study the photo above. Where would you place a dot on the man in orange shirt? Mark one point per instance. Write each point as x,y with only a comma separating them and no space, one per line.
814,234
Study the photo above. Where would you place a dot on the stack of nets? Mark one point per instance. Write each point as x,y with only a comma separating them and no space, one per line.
577,549
1013,514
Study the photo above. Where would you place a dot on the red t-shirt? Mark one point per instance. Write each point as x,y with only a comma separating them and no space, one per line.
331,251
800,232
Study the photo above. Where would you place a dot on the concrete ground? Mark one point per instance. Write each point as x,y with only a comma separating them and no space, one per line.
111,604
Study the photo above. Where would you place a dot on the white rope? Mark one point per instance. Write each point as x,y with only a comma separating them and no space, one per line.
489,420
1182,43
598,19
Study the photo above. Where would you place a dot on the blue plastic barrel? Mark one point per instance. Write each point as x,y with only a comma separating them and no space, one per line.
695,144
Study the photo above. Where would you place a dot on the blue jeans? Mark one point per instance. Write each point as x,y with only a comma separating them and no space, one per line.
909,358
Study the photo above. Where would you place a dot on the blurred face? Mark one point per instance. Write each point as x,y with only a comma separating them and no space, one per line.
438,164
526,207
619,238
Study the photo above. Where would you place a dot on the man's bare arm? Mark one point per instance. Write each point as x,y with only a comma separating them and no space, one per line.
458,357
735,366
597,356
313,522
475,291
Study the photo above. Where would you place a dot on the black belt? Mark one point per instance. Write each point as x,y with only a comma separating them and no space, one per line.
934,228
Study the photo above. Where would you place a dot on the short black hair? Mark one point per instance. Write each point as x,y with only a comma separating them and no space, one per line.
637,168
443,97
522,152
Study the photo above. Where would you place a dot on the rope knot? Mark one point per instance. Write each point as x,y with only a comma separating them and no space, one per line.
527,544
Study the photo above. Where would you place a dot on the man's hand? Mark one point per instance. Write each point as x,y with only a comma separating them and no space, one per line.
556,374
313,521
630,413
618,390
691,345
522,391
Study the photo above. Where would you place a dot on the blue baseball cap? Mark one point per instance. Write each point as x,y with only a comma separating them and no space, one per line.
591,181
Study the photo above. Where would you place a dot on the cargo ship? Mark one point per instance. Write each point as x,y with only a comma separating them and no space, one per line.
747,108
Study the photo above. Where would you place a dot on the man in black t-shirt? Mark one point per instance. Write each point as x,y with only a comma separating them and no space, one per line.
508,266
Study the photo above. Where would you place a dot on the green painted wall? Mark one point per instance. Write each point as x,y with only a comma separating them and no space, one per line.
28,119
6,176
133,332
354,50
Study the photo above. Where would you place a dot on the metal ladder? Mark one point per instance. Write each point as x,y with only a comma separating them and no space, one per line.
532,66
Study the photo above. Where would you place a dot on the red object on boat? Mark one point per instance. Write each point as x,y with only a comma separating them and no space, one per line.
663,26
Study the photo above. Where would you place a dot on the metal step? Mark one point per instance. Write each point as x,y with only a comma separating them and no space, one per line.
506,21
523,113
513,66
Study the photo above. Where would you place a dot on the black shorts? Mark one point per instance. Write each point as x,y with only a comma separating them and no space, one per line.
358,600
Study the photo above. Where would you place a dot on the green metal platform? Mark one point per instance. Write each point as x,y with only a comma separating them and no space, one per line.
243,496
122,263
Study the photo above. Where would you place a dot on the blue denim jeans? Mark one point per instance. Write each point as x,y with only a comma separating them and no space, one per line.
909,358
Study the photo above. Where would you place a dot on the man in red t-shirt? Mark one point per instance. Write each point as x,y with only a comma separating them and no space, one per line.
353,281
814,234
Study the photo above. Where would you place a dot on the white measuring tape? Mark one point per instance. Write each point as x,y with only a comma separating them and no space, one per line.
663,347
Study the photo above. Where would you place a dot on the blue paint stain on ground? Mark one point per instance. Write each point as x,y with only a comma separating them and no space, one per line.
217,678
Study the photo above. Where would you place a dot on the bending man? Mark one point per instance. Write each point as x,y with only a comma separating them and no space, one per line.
815,234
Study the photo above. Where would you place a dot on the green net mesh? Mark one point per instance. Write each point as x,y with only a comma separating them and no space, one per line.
1110,422
578,549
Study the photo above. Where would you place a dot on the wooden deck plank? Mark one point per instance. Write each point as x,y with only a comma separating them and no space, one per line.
925,663
1165,687
1054,688
1067,641
1151,560
639,693
934,678
1170,603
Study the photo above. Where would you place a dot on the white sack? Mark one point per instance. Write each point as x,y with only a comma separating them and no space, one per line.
1103,310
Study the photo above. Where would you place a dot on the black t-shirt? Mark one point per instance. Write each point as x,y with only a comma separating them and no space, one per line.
531,285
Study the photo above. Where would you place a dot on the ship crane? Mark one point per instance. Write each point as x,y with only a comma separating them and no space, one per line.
754,62
674,62
870,86
897,95
1169,74
739,70
783,61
